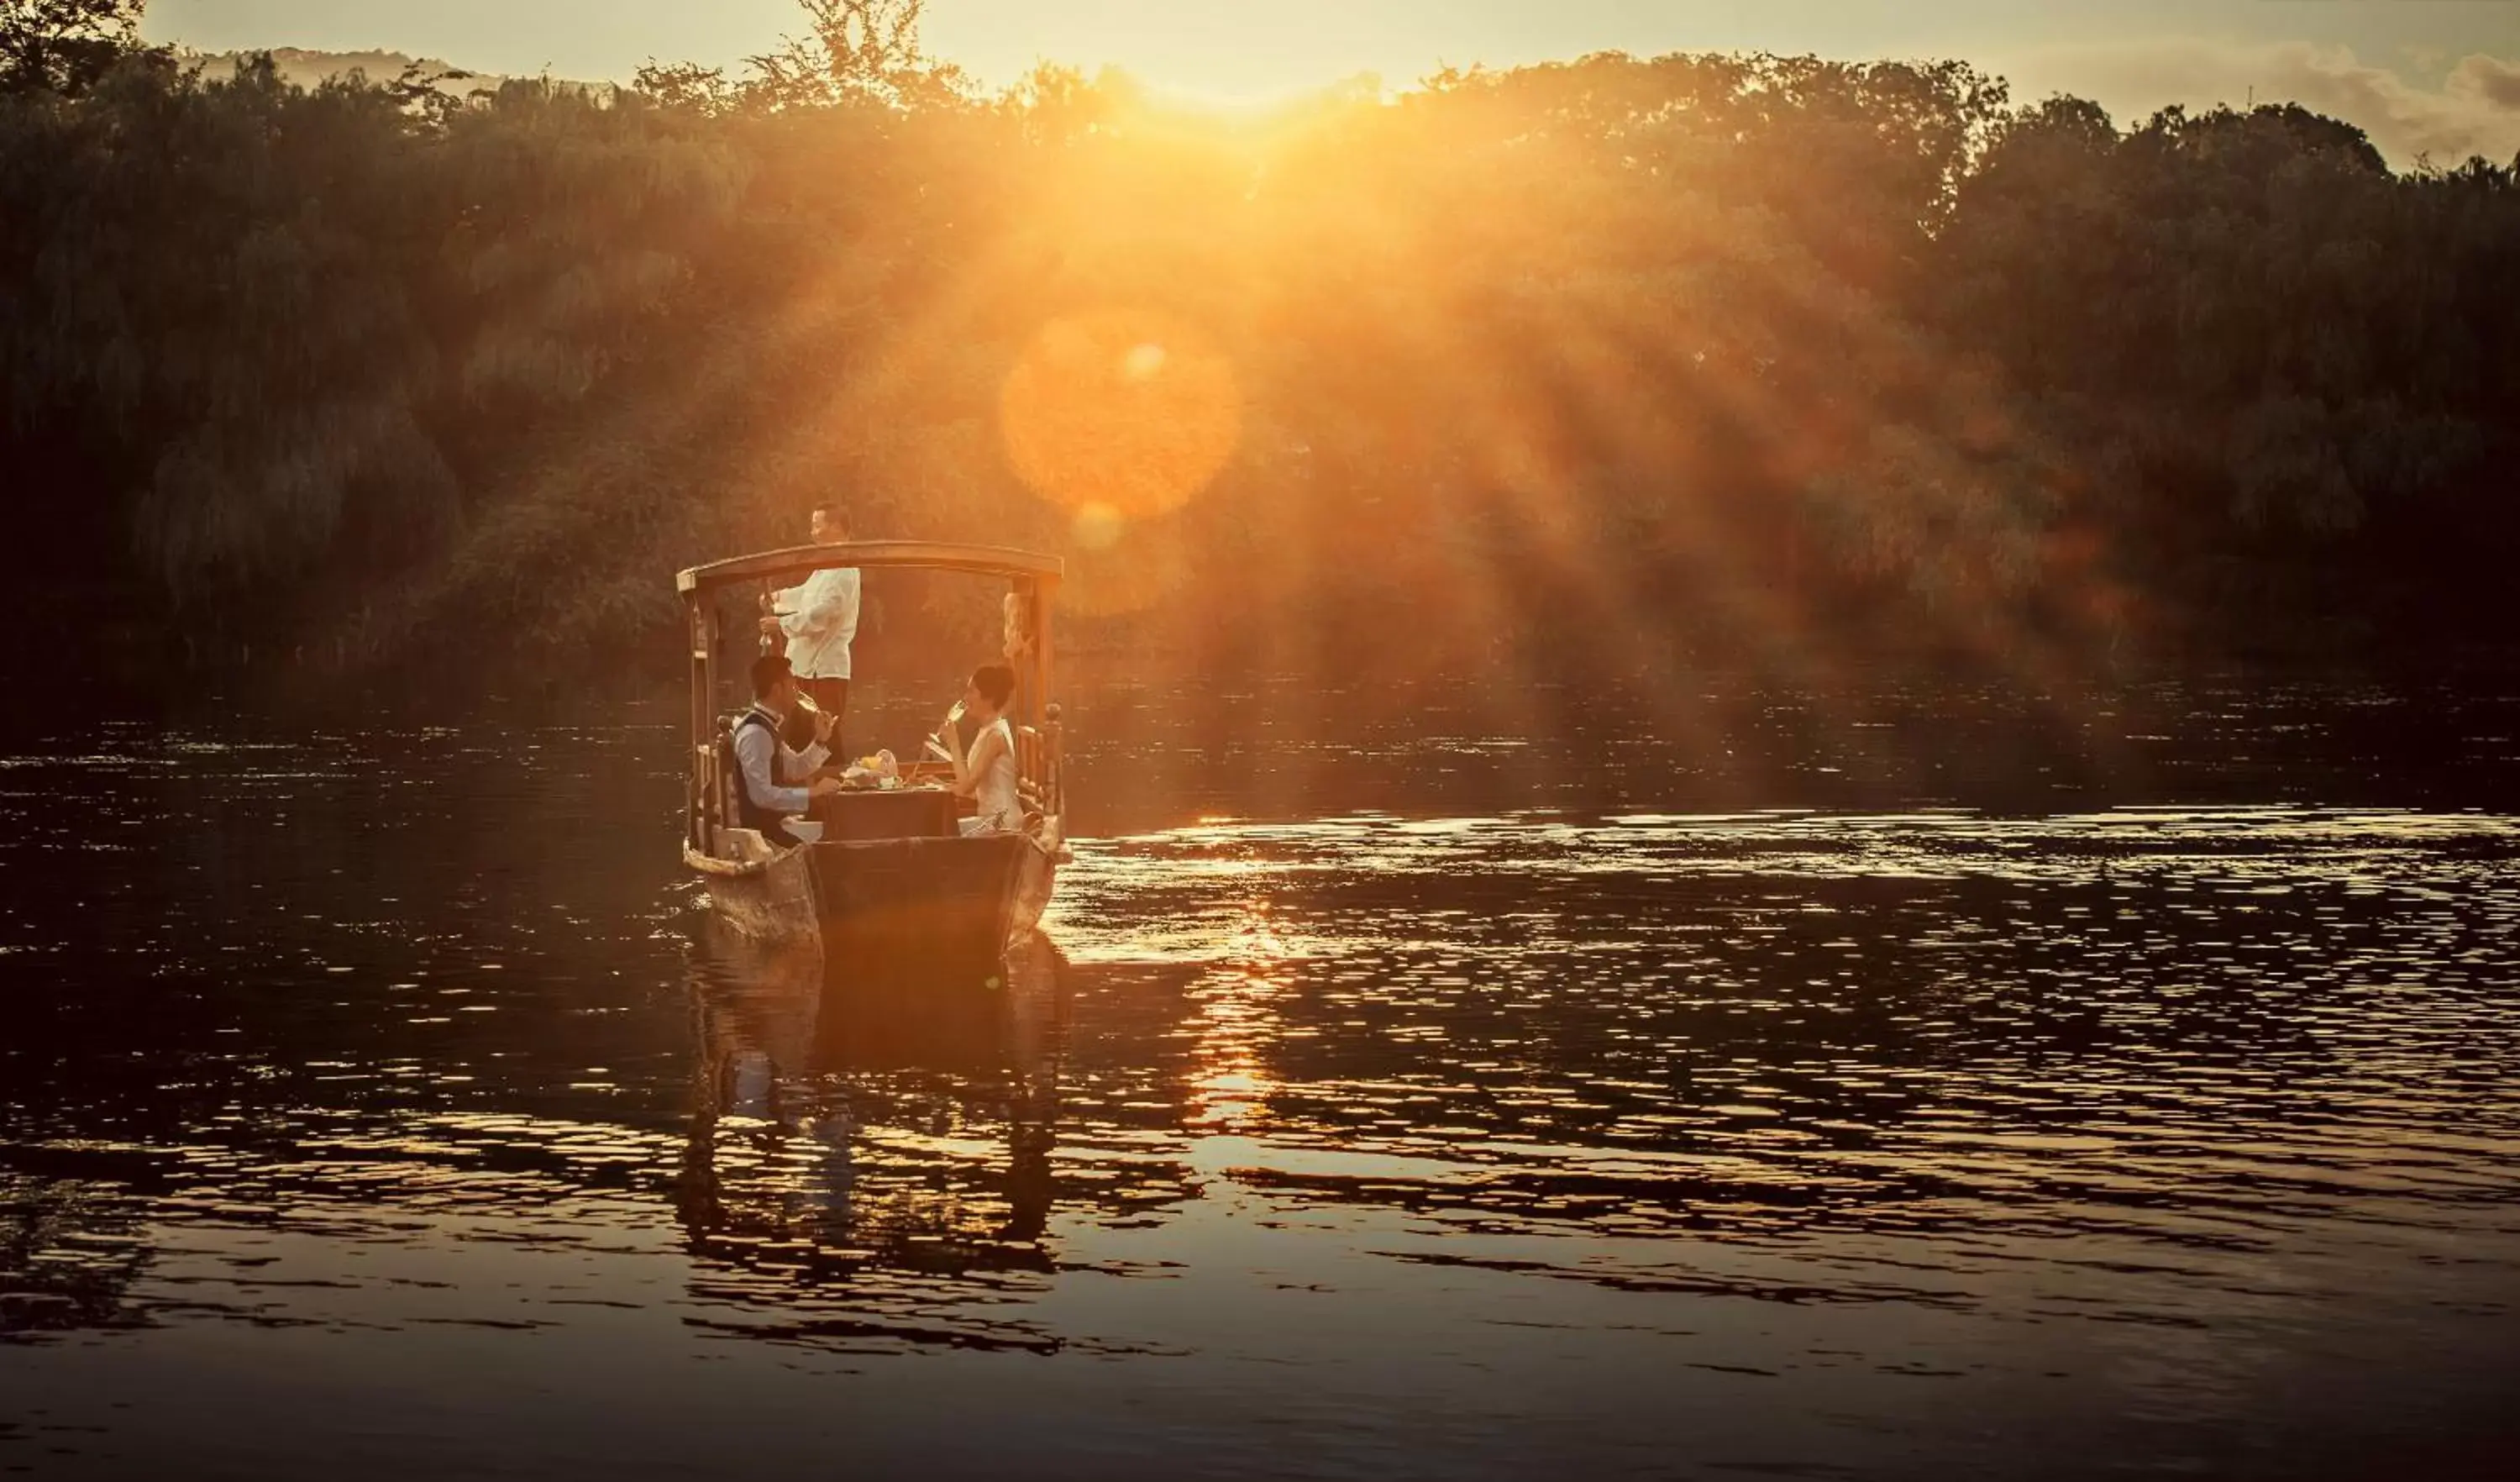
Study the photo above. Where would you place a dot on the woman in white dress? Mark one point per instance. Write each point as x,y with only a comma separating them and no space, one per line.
986,774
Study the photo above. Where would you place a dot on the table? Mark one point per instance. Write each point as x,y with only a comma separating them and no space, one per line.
902,813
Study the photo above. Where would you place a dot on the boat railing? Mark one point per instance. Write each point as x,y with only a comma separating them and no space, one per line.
1037,763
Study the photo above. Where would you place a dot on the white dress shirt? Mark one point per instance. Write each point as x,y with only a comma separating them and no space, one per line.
755,748
820,618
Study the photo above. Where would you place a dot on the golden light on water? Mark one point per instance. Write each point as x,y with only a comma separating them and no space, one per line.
1120,413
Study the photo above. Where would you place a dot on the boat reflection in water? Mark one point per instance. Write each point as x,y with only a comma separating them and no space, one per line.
858,1132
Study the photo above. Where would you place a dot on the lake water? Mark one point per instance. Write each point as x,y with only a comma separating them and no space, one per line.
1895,1085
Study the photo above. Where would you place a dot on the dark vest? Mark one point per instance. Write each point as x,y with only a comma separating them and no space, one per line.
748,812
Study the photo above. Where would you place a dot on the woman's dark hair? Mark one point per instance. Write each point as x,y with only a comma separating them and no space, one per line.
996,684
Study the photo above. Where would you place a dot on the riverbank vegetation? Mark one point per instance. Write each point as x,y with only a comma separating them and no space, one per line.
1588,364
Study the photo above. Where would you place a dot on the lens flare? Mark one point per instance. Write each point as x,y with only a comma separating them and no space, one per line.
1127,409
1140,567
1097,527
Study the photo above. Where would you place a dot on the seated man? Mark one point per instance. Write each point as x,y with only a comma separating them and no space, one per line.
777,782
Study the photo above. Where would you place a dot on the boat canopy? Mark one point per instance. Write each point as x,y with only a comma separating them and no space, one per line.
1034,579
804,561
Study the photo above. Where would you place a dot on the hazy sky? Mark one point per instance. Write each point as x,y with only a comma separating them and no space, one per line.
2436,74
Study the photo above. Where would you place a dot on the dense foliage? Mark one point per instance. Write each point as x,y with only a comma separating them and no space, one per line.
1588,359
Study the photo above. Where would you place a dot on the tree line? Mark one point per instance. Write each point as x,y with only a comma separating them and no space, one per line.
1590,363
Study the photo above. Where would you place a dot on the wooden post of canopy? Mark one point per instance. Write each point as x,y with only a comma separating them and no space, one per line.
704,716
696,638
1023,602
1044,591
1027,595
709,637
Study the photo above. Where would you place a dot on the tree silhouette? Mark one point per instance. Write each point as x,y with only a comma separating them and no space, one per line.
64,46
1760,353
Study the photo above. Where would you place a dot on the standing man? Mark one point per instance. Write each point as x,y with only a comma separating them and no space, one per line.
819,619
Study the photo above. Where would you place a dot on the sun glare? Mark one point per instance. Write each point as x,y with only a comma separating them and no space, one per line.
1127,412
1097,527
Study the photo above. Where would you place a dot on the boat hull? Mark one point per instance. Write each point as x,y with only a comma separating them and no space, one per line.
765,894
921,897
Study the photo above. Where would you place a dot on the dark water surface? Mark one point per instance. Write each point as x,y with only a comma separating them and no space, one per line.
1905,1086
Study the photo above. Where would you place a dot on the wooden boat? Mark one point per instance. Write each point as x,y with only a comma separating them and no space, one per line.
892,871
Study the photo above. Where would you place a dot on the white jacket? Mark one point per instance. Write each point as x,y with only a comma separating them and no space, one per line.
821,620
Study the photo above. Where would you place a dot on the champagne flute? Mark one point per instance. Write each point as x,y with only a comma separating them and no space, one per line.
935,739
